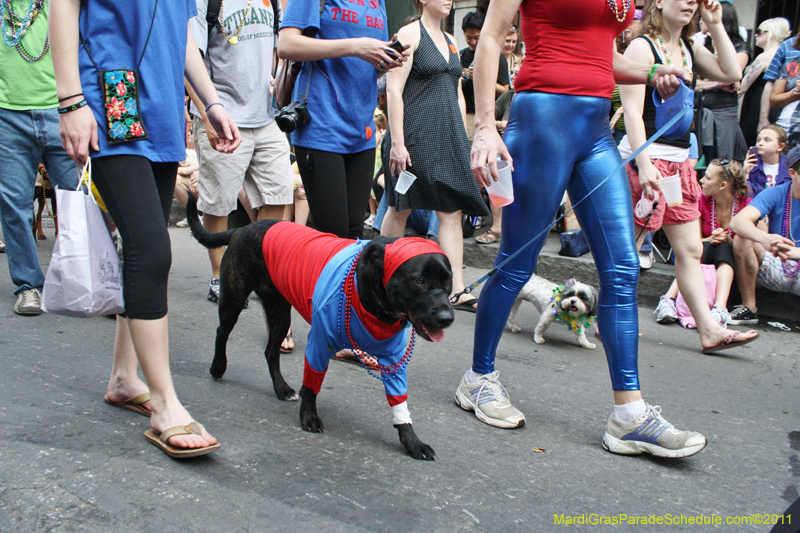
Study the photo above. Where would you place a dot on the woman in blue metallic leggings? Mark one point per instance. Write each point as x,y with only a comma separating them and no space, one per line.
558,139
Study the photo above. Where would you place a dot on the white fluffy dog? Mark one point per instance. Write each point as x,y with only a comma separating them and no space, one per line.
574,304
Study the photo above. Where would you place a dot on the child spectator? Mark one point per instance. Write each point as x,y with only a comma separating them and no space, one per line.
768,168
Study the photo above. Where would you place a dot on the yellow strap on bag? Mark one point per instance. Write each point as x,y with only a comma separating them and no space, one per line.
87,180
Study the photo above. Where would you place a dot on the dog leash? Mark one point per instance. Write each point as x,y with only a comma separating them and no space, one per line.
469,288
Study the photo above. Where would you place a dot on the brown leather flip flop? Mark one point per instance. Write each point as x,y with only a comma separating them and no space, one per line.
134,404
162,441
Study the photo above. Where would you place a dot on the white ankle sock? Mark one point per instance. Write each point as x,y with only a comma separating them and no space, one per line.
629,411
473,376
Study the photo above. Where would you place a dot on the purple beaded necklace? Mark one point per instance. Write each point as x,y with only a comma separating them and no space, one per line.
734,210
786,231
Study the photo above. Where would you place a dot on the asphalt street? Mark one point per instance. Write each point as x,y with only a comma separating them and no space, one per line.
69,462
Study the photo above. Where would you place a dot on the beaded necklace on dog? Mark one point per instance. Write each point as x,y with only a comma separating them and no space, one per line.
620,15
786,231
734,210
668,60
348,287
562,315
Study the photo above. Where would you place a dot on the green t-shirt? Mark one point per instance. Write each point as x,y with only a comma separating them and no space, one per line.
25,85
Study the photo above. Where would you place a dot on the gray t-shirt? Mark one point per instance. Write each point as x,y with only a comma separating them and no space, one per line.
241,72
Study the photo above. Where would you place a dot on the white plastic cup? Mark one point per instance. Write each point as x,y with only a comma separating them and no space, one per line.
501,192
671,189
404,181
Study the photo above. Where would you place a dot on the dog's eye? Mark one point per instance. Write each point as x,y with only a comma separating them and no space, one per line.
420,281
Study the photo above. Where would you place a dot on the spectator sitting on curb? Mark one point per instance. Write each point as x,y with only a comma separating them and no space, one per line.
725,193
768,168
768,259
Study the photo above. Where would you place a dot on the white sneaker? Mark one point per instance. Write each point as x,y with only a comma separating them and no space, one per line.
182,223
646,260
213,290
666,312
29,303
489,399
369,221
650,433
721,315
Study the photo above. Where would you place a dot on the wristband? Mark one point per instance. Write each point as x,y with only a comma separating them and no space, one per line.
73,107
652,73
213,103
68,97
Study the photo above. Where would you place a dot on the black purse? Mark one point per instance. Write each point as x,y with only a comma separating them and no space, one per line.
573,243
120,88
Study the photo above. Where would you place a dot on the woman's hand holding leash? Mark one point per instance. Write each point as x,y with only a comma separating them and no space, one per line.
667,80
485,149
78,131
648,179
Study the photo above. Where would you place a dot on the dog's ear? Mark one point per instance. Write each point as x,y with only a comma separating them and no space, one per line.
569,283
592,293
371,268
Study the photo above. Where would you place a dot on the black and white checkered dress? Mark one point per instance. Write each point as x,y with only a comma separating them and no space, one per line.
434,137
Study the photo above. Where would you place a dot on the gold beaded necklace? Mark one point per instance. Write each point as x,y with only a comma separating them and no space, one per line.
684,55
234,38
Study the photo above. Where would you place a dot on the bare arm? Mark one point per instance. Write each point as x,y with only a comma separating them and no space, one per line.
78,129
395,84
292,44
764,114
487,144
780,97
744,225
752,73
726,66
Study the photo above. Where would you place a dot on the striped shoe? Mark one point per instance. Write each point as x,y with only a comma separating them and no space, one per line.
650,433
489,399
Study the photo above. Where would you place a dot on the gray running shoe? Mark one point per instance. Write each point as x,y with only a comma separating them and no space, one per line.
650,433
489,399
721,315
29,303
213,290
666,312
742,315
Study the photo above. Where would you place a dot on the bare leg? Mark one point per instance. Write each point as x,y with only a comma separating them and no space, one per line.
724,283
672,292
747,256
124,382
181,192
451,241
497,218
621,397
270,212
150,340
215,224
685,241
394,223
301,210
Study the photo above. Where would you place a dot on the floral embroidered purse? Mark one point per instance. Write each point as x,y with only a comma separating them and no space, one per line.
120,89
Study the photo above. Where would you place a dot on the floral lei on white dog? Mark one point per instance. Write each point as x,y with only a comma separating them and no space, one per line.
562,315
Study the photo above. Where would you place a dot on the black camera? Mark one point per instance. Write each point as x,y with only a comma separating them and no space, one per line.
292,116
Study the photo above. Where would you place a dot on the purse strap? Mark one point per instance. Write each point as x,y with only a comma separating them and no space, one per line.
139,63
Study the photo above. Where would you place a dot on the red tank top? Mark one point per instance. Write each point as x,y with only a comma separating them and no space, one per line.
569,46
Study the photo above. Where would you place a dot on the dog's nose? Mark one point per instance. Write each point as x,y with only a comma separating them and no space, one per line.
445,316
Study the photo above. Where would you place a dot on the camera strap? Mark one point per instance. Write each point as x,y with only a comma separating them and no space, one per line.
308,83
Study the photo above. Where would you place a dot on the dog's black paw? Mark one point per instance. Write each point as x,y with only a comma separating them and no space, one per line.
311,422
286,394
217,371
416,448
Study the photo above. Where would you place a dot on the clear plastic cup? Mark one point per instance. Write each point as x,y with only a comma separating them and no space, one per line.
671,189
501,192
404,181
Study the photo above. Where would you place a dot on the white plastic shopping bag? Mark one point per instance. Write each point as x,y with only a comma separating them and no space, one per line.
84,278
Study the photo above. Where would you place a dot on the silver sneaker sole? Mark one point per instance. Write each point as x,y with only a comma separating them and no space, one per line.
747,322
466,403
632,447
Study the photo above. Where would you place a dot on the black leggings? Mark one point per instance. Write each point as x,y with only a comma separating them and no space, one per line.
337,188
138,195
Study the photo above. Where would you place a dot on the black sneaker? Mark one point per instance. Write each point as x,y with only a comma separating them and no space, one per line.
742,315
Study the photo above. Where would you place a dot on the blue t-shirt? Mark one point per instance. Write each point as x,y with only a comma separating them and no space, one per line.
115,33
784,55
770,202
327,335
343,91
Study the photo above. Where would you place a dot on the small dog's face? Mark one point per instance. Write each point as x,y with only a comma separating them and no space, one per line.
578,299
420,287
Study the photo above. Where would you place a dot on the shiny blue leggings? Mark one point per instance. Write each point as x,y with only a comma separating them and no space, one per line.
558,143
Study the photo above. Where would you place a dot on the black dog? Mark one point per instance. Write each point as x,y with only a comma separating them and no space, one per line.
417,291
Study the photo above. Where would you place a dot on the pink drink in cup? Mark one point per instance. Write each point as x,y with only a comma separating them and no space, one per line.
501,192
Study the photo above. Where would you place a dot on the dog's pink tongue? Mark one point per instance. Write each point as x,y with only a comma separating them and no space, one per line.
436,335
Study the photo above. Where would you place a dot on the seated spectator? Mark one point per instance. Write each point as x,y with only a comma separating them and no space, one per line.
725,193
768,258
768,168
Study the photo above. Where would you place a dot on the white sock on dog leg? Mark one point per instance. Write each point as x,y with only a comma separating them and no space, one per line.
401,414
628,412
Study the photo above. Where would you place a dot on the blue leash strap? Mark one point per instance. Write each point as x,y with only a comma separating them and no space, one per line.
650,141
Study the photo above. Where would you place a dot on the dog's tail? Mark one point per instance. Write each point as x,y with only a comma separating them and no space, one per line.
203,236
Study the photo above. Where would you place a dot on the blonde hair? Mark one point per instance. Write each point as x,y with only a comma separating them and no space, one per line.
778,29
653,25
734,174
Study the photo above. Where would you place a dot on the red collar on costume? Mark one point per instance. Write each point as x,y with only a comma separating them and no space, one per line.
401,250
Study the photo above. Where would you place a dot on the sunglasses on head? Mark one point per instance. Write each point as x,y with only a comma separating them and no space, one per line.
724,162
